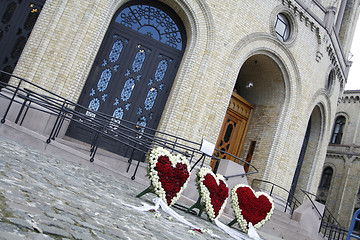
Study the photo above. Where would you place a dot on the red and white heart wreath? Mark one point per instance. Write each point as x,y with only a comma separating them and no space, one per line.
251,206
168,174
214,192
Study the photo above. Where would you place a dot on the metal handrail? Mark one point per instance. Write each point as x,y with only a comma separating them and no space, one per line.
329,225
139,138
292,205
312,202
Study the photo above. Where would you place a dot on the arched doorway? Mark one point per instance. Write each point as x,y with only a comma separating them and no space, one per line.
135,67
259,94
17,19
306,161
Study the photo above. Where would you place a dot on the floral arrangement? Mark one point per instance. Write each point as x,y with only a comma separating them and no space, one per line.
168,174
213,191
251,206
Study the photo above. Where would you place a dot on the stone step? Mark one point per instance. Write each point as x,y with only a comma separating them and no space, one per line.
73,150
282,226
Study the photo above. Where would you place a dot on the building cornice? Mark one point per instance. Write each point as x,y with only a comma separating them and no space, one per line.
350,96
333,48
342,149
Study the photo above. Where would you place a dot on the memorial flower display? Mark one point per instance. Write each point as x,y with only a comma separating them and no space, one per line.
213,191
168,174
251,206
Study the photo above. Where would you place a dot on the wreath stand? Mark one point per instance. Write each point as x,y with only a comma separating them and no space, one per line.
232,222
148,190
198,206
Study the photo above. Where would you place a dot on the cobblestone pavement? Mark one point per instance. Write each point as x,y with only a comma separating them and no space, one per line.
45,197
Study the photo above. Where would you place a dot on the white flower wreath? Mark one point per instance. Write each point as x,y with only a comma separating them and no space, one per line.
152,157
205,193
243,223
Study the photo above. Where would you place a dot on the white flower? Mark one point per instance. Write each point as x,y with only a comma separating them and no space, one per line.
205,193
209,231
152,158
235,204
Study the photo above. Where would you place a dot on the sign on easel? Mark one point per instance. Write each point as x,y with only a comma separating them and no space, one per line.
207,147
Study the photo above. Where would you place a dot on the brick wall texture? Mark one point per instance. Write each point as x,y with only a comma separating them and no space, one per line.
342,197
228,43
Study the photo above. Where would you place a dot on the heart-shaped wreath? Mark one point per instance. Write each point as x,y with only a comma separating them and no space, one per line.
168,174
251,206
213,191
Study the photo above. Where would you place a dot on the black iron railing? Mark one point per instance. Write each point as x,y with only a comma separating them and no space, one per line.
289,206
329,226
139,138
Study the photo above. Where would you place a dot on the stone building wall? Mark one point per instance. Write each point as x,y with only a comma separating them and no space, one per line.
223,39
342,197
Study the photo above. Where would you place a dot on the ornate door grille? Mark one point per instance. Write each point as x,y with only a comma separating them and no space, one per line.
134,70
17,19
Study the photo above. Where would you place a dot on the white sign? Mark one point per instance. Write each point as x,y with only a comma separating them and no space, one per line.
207,147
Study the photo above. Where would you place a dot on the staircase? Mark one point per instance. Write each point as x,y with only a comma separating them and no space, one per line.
281,226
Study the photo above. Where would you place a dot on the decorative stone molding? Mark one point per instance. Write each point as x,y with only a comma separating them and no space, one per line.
319,56
342,150
350,96
350,99
303,18
334,62
314,26
239,107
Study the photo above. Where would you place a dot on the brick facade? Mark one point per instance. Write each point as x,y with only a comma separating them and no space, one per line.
229,43
342,196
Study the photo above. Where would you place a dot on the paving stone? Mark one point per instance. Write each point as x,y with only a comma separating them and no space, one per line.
7,227
10,236
37,236
20,223
66,200
79,229
60,217
102,236
54,231
88,225
82,235
25,208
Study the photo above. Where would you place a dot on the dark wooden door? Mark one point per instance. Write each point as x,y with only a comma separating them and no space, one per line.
234,129
130,80
17,19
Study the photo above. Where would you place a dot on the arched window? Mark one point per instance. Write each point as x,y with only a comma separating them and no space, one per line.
326,178
338,130
330,79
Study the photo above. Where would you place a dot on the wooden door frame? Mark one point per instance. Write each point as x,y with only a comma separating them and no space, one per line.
233,108
236,110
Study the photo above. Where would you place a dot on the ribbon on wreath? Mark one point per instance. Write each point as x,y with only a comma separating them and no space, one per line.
160,203
236,234
232,232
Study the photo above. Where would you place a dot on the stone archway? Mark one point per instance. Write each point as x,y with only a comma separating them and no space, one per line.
304,170
260,83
